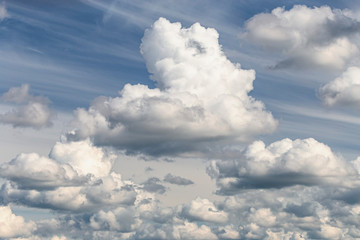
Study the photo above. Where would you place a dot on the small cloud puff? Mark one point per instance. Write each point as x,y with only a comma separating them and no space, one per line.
201,98
33,111
307,37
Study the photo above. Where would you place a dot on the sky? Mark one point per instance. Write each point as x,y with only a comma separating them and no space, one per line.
179,119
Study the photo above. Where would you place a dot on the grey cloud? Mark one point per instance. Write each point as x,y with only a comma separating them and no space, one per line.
153,185
177,180
32,111
309,212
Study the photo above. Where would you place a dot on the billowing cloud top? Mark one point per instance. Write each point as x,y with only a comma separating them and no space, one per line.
308,37
200,97
12,225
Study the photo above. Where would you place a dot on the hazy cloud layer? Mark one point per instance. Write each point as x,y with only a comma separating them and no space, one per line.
201,97
14,226
281,164
31,111
344,90
177,180
307,37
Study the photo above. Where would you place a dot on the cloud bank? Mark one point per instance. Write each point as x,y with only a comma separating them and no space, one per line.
201,98
307,37
32,111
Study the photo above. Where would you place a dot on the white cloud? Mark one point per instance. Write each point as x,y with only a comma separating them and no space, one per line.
201,97
193,231
343,90
3,12
32,111
307,37
281,164
120,219
14,226
203,210
77,176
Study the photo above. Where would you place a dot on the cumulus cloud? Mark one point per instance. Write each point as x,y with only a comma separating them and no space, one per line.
203,210
3,12
177,180
33,111
14,226
281,164
201,97
344,90
76,176
307,37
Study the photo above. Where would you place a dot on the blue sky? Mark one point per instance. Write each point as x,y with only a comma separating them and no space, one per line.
90,89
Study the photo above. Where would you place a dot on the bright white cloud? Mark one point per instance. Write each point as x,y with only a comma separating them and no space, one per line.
201,97
281,164
344,90
14,226
307,37
32,111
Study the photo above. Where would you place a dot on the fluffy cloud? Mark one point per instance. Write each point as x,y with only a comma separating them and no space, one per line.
201,98
177,180
344,90
76,176
203,210
14,226
33,111
281,164
3,12
307,37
